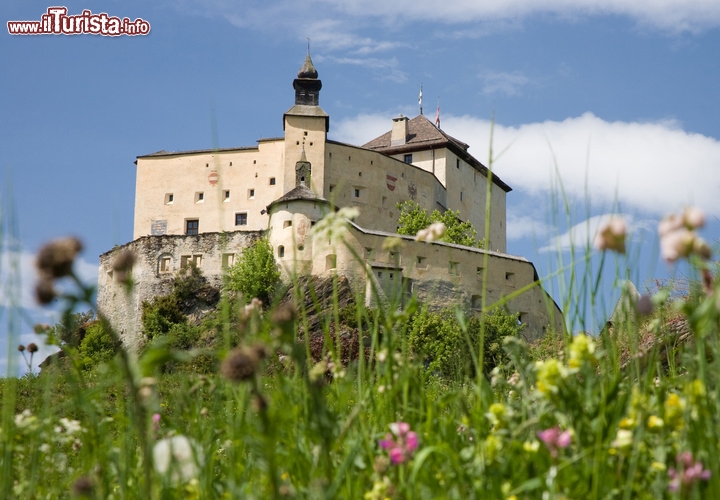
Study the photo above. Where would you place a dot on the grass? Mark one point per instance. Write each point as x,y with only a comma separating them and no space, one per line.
611,416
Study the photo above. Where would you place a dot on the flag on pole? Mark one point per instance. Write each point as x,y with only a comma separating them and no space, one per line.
420,99
437,116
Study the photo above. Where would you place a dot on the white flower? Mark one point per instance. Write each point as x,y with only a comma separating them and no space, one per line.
179,456
333,226
433,232
71,426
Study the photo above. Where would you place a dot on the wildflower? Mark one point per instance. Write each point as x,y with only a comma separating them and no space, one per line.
32,348
531,446
83,487
56,258
644,305
401,449
44,291
549,375
433,232
21,348
41,328
178,456
623,439
654,422
241,364
555,439
582,349
392,243
332,227
678,237
674,410
611,235
691,471
122,265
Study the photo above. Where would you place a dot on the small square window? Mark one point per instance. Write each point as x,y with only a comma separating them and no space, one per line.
169,198
281,251
272,181
228,260
331,188
508,276
408,159
287,223
251,193
192,226
241,219
199,197
227,195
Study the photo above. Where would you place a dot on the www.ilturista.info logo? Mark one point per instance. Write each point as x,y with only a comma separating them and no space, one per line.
57,22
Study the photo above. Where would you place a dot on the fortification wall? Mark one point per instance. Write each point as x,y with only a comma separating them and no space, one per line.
157,260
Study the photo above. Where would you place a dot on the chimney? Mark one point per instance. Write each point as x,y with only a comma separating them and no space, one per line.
399,133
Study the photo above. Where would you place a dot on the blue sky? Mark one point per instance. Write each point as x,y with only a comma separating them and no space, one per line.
616,99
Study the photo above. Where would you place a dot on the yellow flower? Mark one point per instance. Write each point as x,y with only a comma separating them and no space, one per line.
582,349
658,466
549,375
674,410
531,446
627,423
655,422
623,439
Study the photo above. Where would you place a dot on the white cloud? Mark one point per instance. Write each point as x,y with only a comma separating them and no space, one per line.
386,67
650,167
582,235
668,15
509,84
526,226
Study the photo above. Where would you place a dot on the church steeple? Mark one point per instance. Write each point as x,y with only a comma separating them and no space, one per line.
307,86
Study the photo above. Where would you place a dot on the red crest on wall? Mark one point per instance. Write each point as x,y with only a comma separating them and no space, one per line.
391,182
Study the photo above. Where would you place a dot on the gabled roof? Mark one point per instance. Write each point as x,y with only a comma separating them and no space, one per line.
423,135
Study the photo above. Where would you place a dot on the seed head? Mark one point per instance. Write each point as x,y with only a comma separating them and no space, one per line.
32,347
55,259
83,487
21,348
240,365
44,291
122,265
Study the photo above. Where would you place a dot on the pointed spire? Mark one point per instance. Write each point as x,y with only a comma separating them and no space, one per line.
308,69
302,155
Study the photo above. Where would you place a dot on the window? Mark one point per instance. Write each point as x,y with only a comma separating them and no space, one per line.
184,261
287,223
228,260
241,219
165,263
331,188
461,196
231,164
192,226
359,174
408,159
251,193
281,251
330,262
454,268
421,262
197,261
508,276
457,163
379,274
476,302
479,272
272,181
169,198
227,195
199,197
357,193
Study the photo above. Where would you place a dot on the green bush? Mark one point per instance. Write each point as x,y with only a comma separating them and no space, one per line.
255,274
97,346
440,342
413,218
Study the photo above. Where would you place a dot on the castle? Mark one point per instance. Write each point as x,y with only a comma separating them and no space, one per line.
205,206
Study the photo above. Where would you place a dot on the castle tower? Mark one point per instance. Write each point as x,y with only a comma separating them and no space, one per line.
291,218
306,126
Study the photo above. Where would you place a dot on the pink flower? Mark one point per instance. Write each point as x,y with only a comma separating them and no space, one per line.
611,235
555,439
678,238
402,447
691,472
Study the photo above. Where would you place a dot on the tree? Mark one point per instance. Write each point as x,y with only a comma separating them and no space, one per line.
413,218
255,274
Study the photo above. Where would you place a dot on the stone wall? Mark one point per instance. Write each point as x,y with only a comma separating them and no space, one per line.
157,260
